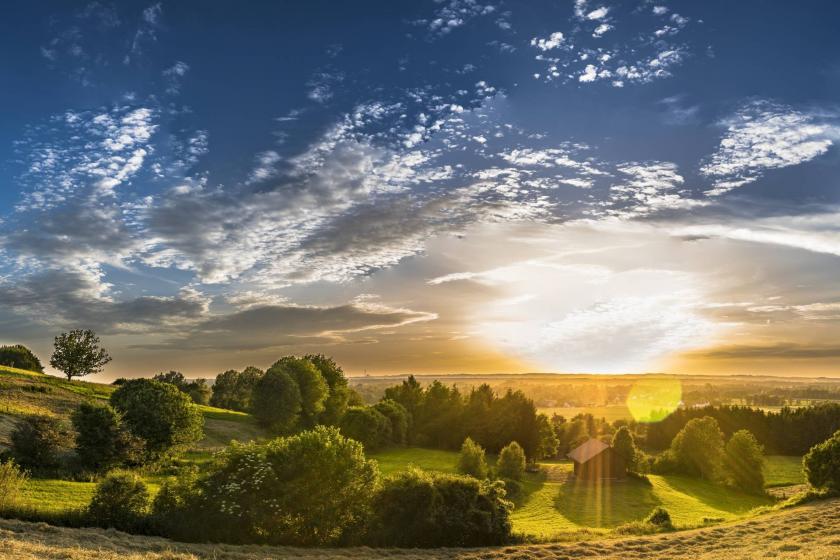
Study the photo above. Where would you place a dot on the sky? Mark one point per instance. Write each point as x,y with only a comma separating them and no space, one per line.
443,186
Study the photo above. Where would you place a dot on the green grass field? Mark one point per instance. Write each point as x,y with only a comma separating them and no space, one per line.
783,470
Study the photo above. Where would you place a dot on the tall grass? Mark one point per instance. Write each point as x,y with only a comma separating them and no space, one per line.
12,480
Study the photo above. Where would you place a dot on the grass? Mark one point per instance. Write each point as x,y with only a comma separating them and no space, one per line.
401,458
783,470
806,532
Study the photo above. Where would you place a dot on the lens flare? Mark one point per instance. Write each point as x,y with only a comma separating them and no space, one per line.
652,400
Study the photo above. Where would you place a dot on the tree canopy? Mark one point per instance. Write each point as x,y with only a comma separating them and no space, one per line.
77,353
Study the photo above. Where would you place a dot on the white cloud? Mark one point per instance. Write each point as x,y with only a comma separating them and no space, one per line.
601,29
764,135
599,13
551,42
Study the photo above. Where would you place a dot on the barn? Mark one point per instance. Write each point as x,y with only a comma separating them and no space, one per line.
596,460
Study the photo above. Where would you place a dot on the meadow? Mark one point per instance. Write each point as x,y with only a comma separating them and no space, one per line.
550,506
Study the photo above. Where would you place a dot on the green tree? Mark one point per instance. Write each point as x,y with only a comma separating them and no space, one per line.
420,509
159,414
101,441
398,416
744,462
511,462
312,488
198,391
120,500
338,398
822,464
471,461
233,390
38,441
172,377
624,445
366,425
21,357
276,401
311,385
698,448
549,443
77,353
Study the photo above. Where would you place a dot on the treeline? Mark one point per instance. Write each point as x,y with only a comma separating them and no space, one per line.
791,431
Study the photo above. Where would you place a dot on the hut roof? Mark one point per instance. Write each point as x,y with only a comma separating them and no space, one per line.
587,450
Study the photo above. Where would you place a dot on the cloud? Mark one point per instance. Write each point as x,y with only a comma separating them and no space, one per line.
763,135
784,350
551,42
649,188
453,14
273,326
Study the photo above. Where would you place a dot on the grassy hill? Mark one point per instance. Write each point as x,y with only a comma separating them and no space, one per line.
805,533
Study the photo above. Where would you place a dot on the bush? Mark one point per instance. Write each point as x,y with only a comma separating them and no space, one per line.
177,510
471,461
660,518
513,488
159,414
822,464
21,357
420,509
511,462
664,463
38,441
198,390
744,462
366,425
275,401
12,479
312,488
101,441
121,501
398,417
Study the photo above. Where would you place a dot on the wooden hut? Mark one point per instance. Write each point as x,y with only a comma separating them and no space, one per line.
596,460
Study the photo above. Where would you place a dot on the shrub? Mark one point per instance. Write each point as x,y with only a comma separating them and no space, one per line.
471,461
38,441
420,509
159,414
513,488
177,510
312,488
664,463
822,464
744,462
698,448
275,401
511,462
12,479
21,357
121,501
398,417
366,425
101,441
660,517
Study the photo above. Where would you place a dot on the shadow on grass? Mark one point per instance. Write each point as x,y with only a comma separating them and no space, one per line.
605,504
715,496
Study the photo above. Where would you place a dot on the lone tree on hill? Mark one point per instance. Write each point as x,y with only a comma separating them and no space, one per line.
77,353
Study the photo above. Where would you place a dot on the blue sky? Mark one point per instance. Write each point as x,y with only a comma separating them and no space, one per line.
442,186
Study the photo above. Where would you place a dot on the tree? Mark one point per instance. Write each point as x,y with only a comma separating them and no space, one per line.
311,385
198,391
744,462
339,392
698,448
172,377
471,461
158,413
822,464
275,401
511,462
624,446
398,416
38,441
101,441
549,443
419,509
233,389
313,488
21,357
77,353
366,425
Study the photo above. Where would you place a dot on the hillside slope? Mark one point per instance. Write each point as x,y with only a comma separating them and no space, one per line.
808,532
